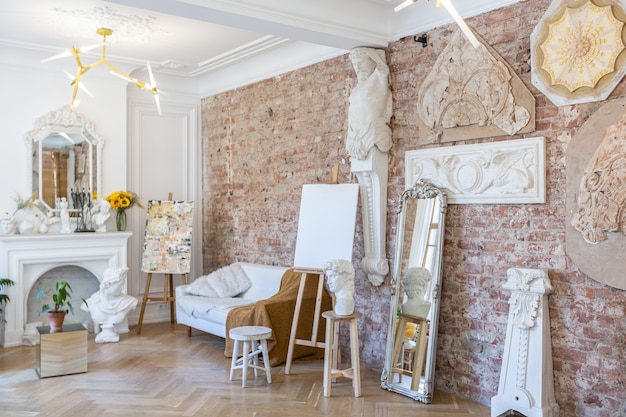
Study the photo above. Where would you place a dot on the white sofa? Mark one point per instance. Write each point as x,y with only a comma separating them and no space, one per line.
209,314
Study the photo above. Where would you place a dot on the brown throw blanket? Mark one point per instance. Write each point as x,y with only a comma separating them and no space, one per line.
276,313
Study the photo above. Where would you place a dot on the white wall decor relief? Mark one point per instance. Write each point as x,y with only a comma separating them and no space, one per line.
595,232
508,172
578,52
602,195
472,93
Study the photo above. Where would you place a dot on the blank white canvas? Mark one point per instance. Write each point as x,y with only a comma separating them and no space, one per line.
326,224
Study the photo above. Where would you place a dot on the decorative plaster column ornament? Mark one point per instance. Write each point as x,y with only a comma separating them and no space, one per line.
369,139
526,379
370,109
578,52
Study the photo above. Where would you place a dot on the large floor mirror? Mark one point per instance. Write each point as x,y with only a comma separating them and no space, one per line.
416,288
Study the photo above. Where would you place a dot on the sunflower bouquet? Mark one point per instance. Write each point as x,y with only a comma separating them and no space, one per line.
120,201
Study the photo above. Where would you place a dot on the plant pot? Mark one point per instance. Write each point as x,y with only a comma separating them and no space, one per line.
55,320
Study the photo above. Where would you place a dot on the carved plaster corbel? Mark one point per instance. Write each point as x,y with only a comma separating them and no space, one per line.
372,175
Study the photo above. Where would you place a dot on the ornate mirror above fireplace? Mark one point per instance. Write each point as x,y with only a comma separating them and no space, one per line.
65,154
415,293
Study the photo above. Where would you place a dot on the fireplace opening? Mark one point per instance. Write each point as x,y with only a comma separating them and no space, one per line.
83,284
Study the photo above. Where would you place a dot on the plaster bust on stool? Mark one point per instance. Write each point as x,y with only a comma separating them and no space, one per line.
414,282
340,277
110,306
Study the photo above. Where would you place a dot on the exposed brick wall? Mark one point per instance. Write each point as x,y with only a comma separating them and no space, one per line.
287,131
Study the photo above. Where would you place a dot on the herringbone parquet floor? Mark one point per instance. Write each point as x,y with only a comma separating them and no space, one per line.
164,373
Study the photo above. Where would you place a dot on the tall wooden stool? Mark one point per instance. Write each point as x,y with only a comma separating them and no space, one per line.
420,349
168,296
254,340
332,340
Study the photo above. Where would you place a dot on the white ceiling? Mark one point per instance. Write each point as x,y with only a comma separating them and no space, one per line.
209,38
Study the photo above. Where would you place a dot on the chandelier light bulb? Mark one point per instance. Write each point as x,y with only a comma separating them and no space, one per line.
83,69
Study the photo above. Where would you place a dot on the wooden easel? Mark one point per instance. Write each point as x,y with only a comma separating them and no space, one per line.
320,274
312,342
168,291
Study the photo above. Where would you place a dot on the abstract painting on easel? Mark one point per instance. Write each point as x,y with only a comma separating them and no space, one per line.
167,242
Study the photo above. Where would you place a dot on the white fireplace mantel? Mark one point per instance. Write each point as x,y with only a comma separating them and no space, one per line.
25,258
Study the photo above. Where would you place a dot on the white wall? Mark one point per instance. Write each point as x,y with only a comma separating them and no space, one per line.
31,90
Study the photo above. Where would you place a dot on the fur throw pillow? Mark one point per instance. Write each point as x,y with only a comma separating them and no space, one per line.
228,281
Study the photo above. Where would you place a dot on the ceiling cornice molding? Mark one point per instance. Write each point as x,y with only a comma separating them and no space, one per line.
289,57
290,13
410,21
351,28
236,55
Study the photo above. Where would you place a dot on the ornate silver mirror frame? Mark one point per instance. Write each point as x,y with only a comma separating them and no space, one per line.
68,136
415,301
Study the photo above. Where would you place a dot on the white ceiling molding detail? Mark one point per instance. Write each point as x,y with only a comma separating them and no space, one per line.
205,41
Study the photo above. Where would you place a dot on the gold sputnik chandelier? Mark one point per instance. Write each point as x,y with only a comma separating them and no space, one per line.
83,69
455,15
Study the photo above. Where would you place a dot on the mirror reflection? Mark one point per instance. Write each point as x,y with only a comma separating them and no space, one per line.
416,282
66,156
63,161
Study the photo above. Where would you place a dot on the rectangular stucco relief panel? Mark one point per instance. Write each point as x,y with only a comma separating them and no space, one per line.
509,172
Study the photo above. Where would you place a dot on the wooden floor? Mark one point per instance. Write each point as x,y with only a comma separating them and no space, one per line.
165,373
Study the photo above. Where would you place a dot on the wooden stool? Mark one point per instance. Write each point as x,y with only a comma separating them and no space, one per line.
420,349
354,372
258,335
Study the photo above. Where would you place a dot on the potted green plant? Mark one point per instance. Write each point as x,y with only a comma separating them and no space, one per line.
61,304
4,282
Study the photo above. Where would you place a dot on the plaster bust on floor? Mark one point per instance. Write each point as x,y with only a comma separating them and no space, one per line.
340,278
110,306
414,282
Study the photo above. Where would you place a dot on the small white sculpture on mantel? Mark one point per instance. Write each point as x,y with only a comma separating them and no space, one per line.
8,225
63,207
110,306
101,217
415,281
340,278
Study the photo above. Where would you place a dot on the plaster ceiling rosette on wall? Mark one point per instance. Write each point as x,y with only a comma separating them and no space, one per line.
472,93
578,51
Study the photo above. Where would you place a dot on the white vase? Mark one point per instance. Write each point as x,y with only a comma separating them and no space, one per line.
43,228
25,227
